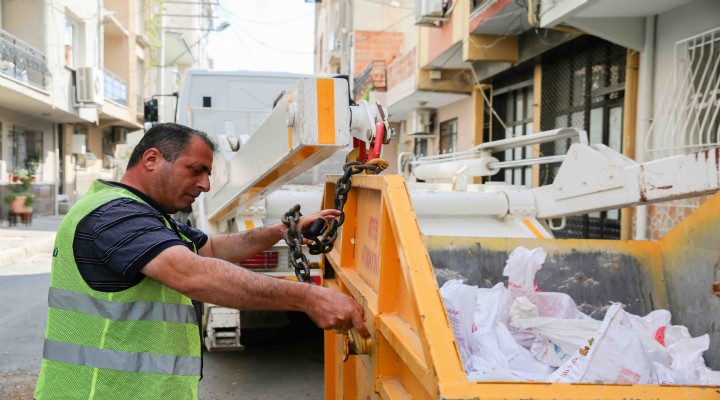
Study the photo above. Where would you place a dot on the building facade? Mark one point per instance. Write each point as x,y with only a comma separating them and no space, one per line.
471,71
74,77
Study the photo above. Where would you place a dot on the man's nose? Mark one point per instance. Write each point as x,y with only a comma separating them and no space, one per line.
205,183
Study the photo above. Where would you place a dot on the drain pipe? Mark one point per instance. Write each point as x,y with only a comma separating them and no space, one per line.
646,108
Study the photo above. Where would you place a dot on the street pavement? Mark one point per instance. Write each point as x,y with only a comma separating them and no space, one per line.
19,242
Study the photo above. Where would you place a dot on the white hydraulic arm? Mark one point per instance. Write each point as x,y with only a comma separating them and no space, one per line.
590,178
595,178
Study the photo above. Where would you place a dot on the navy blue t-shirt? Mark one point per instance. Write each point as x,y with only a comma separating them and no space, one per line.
116,240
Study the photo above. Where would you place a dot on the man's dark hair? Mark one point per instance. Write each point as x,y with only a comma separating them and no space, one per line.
170,139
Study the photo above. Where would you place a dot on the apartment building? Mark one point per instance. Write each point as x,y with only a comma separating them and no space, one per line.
74,77
640,77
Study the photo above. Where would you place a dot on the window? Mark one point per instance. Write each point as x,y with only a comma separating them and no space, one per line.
688,118
448,136
70,42
516,109
27,148
583,87
477,4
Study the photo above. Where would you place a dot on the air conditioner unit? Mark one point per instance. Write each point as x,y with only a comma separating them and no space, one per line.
89,85
429,12
419,124
119,134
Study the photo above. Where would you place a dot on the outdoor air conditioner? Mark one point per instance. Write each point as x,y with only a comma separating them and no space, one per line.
429,12
89,85
419,124
119,134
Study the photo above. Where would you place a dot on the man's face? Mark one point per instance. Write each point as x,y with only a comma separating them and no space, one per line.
181,181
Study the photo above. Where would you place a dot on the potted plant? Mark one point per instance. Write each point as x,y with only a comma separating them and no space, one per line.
21,199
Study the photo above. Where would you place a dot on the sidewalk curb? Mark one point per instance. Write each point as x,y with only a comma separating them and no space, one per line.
37,246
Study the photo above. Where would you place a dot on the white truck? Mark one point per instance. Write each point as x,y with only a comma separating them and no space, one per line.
270,128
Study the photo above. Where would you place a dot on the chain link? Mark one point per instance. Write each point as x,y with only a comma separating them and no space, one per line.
291,219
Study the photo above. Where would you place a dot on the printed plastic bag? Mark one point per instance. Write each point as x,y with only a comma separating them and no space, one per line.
459,301
556,338
614,355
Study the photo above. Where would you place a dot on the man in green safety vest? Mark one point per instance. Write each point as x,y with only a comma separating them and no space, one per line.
121,322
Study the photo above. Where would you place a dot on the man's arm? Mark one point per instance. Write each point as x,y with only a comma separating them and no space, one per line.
236,247
219,282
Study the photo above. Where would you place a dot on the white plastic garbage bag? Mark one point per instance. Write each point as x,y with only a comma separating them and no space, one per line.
459,301
614,355
556,338
688,364
496,356
651,331
494,351
521,268
492,306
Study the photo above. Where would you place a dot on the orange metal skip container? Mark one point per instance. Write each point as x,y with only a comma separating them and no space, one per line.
382,260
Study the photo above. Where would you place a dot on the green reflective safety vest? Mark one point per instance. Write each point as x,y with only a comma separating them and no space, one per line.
139,343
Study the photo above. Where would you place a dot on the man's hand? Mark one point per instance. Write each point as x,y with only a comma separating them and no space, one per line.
306,221
330,309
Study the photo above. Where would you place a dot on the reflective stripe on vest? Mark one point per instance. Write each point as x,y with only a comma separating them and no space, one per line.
134,311
120,360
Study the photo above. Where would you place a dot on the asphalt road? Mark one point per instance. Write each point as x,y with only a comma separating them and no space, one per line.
292,369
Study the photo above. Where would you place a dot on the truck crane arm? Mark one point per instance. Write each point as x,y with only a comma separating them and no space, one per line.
313,120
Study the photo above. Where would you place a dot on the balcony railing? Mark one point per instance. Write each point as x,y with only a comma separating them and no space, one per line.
115,88
23,62
372,76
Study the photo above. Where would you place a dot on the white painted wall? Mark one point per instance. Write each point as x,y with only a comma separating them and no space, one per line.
21,19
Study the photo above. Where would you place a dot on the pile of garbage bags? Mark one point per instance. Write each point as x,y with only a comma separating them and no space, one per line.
519,333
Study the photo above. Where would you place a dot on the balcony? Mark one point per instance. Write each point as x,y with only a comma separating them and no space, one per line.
22,62
373,76
115,88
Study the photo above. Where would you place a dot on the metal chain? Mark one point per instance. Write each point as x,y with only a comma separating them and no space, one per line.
291,219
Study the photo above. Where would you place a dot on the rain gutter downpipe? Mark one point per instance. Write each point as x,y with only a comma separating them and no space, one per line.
646,107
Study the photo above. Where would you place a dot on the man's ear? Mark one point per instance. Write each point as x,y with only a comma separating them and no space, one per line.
151,158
